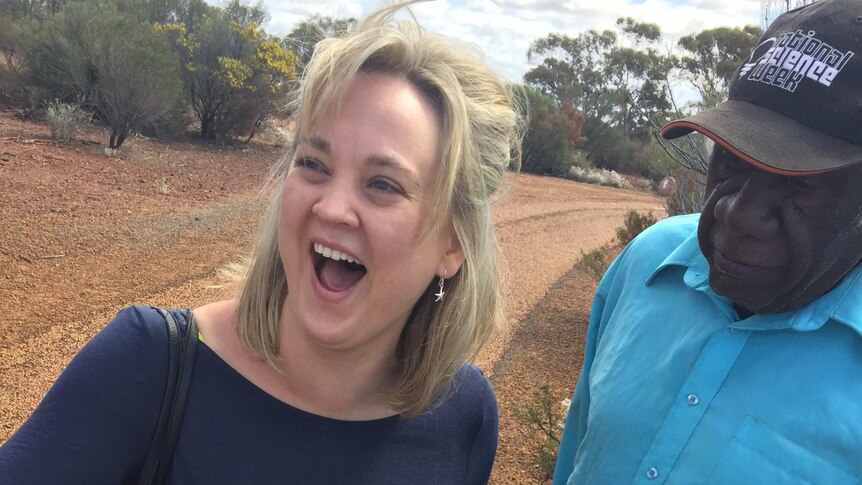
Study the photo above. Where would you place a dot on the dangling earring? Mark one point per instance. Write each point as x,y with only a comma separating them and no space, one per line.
440,294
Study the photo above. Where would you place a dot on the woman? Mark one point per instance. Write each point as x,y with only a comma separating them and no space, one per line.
373,283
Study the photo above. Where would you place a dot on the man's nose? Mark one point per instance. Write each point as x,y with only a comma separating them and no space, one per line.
337,205
752,209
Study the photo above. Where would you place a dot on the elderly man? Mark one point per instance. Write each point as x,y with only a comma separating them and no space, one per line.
727,347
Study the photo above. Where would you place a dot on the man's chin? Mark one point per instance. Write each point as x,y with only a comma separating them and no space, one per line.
749,292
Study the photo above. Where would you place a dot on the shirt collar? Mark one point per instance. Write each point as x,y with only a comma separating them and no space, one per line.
842,304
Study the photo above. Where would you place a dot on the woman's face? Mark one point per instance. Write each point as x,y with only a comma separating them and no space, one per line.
354,204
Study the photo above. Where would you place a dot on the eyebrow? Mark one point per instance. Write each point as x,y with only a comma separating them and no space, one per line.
384,161
318,143
376,159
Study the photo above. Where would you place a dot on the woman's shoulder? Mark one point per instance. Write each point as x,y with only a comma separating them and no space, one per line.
132,346
137,323
134,342
472,379
97,418
470,395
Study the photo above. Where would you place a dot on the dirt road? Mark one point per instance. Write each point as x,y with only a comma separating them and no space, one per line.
83,234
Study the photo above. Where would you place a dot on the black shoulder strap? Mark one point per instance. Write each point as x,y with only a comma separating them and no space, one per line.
182,346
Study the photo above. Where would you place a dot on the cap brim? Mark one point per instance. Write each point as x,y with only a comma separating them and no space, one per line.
768,139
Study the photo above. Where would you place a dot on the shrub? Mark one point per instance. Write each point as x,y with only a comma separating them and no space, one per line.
596,262
65,119
633,225
172,125
553,135
598,177
540,413
53,66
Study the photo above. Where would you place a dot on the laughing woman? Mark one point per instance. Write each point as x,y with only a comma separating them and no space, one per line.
344,357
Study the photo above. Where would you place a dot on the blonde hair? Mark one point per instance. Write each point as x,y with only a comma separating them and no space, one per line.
481,133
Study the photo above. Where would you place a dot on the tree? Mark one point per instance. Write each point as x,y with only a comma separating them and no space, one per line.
619,82
235,75
305,36
603,77
712,56
709,62
31,9
93,55
572,69
136,75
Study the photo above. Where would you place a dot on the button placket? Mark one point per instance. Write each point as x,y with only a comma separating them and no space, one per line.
706,375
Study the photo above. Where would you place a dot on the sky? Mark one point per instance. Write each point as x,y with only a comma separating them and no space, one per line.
502,30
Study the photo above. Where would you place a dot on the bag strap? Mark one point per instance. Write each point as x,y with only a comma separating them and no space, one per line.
181,354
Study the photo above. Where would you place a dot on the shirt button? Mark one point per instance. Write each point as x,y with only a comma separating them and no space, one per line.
652,473
692,399
733,329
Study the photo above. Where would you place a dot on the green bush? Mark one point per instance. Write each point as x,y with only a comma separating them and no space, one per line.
65,119
54,67
633,224
553,135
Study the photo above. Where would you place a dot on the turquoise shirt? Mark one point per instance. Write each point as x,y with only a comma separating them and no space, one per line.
676,389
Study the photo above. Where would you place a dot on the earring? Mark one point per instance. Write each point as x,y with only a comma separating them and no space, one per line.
440,293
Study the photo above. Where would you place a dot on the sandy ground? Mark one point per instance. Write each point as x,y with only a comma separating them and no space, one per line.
83,234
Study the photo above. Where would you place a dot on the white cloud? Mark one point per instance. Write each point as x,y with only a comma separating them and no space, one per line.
503,29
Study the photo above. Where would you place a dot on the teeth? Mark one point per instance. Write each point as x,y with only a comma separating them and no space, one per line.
333,254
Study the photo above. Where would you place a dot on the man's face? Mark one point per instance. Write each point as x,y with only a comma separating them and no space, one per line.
776,242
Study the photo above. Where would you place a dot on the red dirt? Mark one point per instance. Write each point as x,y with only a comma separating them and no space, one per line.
84,234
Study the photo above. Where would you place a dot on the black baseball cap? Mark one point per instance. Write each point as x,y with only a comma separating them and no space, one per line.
795,105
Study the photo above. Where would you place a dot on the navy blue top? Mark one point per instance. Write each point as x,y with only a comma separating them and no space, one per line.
97,421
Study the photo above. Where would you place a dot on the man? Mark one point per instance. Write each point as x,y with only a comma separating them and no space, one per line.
727,347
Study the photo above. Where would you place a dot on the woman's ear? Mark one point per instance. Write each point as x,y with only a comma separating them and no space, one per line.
452,258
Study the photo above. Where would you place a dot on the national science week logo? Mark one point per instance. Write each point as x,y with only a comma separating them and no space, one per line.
794,57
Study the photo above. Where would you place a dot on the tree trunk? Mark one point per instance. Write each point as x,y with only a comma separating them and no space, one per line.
117,138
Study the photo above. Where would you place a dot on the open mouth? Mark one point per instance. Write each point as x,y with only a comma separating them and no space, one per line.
335,270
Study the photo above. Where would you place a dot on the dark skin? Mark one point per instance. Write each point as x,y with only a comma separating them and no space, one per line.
777,242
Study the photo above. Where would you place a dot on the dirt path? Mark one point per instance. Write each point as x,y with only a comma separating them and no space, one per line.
83,234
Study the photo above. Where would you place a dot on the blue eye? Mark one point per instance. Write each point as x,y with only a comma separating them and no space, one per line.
310,164
384,186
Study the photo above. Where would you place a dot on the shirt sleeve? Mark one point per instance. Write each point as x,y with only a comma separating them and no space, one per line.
485,445
576,420
96,422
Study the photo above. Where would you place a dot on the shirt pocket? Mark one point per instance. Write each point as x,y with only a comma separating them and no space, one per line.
759,455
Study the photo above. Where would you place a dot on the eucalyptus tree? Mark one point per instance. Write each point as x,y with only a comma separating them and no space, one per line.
305,36
710,58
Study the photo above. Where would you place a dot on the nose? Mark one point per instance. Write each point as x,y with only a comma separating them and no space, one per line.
752,208
337,206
